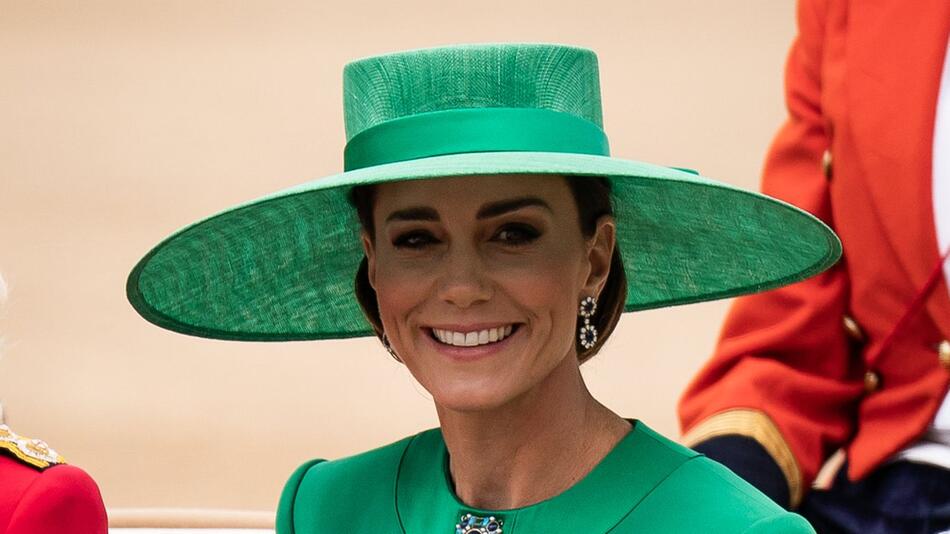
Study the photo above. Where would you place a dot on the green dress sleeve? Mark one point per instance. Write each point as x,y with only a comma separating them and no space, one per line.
704,496
288,497
780,524
354,494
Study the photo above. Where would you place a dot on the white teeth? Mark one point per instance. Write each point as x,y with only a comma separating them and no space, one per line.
472,339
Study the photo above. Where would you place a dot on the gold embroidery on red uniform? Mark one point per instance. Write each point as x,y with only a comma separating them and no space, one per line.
34,452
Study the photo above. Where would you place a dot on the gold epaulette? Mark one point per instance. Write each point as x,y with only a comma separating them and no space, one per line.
34,452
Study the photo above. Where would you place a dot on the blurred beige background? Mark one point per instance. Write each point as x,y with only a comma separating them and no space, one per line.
121,121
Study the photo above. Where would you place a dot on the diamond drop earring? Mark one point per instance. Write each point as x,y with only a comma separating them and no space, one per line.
588,333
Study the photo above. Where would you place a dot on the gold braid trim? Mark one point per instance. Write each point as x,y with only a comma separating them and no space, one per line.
33,452
758,426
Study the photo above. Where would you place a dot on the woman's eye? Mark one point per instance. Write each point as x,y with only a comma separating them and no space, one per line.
517,234
414,240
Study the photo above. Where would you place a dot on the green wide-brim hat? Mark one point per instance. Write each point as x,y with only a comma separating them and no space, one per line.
283,267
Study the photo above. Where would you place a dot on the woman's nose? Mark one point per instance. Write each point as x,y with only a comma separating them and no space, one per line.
464,281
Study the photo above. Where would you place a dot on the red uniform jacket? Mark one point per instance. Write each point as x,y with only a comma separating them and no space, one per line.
60,499
862,80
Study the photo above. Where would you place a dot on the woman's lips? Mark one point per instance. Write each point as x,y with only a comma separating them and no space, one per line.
444,340
472,338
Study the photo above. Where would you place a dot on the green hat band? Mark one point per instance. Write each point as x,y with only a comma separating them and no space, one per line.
458,131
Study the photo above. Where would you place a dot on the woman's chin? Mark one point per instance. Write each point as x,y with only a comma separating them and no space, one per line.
467,398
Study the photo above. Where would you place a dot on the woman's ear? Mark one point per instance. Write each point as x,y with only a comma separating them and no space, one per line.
370,250
600,251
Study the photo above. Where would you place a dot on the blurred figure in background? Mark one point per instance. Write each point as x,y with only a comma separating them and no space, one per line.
39,494
857,357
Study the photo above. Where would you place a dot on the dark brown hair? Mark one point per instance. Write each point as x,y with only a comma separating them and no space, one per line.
592,196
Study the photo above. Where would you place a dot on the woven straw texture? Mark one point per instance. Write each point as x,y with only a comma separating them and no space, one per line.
559,78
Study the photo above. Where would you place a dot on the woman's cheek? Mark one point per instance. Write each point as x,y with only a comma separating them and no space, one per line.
394,273
398,292
545,281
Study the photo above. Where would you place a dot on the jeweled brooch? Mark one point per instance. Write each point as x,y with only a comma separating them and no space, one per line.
472,524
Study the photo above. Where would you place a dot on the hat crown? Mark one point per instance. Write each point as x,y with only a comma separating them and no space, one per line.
554,77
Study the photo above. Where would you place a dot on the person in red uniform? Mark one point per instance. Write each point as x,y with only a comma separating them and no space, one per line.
39,493
856,358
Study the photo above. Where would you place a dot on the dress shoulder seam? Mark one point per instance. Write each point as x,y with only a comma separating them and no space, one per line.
647,494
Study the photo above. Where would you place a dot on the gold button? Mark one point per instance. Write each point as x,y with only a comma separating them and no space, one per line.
872,381
826,161
852,328
943,354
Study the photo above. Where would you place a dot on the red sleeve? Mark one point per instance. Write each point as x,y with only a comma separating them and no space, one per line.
783,372
62,500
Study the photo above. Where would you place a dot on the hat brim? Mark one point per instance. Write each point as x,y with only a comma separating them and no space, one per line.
282,267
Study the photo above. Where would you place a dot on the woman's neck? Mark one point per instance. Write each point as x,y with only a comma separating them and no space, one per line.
534,447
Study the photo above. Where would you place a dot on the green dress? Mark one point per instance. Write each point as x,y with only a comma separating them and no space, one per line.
647,483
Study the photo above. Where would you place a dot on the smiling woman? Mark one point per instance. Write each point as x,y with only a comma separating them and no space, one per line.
460,258
591,198
494,244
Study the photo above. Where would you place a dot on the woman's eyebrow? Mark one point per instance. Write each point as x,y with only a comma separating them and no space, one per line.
414,214
494,209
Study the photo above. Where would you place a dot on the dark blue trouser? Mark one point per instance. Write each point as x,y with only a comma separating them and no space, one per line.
900,498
